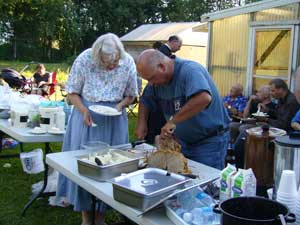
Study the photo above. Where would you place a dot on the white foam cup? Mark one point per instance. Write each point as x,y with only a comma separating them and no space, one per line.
287,185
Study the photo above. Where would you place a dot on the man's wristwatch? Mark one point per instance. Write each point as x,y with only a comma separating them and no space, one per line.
171,120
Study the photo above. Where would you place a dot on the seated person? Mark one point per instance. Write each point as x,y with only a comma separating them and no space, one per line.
286,108
41,80
295,124
280,117
262,97
235,102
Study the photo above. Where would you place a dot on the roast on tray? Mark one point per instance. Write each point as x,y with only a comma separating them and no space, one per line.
169,157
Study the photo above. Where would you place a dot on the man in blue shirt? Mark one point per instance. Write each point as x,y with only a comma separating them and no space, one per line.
235,102
190,103
295,124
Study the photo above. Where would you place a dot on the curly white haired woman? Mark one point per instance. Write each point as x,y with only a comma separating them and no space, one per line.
102,75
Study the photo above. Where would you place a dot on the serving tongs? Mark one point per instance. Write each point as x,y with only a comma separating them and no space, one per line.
129,145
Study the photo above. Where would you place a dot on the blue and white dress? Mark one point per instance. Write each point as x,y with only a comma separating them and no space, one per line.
96,86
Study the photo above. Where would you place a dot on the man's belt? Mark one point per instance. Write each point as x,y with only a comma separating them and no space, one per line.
213,133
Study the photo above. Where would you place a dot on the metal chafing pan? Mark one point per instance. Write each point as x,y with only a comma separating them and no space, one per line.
102,173
145,187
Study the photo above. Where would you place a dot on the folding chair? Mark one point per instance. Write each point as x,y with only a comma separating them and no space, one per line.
53,83
132,106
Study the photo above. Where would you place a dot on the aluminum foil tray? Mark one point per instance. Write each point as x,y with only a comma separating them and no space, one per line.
102,173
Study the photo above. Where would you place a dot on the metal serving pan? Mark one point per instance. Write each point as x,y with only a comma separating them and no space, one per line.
145,187
102,173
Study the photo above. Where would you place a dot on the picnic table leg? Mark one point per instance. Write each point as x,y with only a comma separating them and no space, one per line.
21,147
41,192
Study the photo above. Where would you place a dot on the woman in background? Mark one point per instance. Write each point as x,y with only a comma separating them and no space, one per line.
102,75
41,80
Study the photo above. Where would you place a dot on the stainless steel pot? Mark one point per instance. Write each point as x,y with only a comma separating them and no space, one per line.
286,157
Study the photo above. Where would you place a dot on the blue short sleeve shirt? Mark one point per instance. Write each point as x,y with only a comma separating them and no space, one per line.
296,118
189,78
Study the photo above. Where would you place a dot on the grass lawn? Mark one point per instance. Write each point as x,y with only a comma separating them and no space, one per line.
16,189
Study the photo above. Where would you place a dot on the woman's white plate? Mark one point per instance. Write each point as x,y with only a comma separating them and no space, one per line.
56,131
105,110
33,131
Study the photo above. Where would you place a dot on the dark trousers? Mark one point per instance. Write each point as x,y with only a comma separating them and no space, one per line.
156,121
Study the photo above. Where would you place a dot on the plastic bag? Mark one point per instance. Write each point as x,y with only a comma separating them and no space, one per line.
32,162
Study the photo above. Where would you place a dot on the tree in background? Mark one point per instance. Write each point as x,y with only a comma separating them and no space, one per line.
56,29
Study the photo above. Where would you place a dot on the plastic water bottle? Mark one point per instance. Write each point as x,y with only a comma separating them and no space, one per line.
180,211
60,118
203,200
203,216
187,217
185,201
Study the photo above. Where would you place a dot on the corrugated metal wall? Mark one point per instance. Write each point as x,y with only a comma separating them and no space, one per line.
229,44
288,12
229,49
195,53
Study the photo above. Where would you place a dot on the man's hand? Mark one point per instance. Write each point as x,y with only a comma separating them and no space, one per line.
252,97
233,111
295,125
263,107
168,129
141,131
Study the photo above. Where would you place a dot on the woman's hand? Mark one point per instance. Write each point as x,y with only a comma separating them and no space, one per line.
124,103
119,106
41,83
87,119
76,101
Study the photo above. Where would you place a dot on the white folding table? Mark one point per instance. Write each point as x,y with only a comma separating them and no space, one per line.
66,163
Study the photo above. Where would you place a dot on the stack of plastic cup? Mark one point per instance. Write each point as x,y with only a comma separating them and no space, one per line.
287,190
297,211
